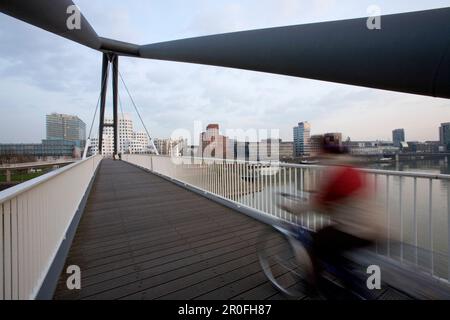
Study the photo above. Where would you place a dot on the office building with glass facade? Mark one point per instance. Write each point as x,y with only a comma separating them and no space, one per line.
66,127
302,135
398,136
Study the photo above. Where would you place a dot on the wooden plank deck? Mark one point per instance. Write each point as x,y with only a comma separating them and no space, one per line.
142,237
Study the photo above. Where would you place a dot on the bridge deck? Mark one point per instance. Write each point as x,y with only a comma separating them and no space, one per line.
142,237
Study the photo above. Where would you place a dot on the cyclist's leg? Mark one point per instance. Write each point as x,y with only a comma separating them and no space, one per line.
330,246
330,243
322,249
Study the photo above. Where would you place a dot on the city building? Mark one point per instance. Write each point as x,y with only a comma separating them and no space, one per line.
398,136
171,147
371,147
422,147
66,127
214,145
316,142
275,150
65,138
444,136
269,149
302,139
334,138
266,150
42,151
130,141
286,150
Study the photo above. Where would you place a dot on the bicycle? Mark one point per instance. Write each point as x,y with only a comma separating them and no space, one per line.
285,258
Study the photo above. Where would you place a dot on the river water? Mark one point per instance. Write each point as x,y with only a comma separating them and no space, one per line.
430,166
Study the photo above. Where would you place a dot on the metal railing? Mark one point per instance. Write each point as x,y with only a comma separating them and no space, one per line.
416,206
34,218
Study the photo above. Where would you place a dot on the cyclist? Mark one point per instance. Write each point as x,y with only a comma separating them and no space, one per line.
344,195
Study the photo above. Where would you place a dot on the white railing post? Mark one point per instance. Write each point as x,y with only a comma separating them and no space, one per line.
400,203
416,236
431,239
388,219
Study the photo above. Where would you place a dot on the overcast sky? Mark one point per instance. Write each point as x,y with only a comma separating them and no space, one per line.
42,73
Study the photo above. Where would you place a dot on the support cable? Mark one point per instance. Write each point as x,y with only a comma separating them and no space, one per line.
88,141
137,111
123,117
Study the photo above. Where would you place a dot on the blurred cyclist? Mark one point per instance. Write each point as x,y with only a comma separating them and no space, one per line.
344,195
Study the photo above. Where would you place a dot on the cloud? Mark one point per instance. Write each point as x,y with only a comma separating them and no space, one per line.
375,114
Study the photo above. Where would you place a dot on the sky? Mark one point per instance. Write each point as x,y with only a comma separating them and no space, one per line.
42,73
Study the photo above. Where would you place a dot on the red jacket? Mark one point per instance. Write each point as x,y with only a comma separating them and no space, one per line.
342,183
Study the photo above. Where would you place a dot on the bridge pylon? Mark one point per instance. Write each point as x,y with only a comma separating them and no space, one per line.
109,59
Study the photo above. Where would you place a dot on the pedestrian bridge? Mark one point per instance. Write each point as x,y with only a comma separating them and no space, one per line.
152,227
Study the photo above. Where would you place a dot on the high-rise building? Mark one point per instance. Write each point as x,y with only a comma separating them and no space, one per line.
66,127
302,135
214,145
444,136
129,140
398,136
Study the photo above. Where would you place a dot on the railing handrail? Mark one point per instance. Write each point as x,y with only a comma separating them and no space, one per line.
12,192
412,174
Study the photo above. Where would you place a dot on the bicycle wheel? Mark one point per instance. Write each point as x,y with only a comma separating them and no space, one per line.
286,263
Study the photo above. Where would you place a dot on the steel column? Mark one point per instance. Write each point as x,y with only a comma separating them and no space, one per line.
104,87
115,79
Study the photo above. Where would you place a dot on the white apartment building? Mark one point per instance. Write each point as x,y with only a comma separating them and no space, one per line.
129,140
